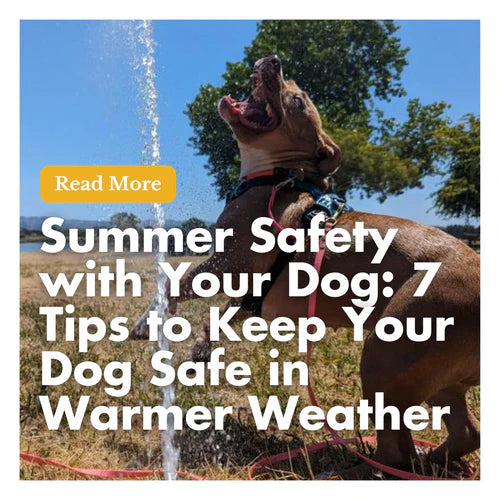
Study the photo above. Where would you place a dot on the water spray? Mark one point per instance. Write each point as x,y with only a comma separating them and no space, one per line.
142,33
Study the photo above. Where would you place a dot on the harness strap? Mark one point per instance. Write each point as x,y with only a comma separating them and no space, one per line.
262,173
274,177
323,204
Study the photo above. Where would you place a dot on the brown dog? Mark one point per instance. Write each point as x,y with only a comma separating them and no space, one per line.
278,126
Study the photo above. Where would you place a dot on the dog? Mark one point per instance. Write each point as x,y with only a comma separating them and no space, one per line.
278,126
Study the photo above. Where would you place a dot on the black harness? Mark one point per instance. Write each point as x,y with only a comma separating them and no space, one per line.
278,176
327,203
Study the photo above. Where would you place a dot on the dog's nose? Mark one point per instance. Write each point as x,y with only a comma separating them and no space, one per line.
273,61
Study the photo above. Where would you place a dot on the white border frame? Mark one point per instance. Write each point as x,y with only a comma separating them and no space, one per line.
313,9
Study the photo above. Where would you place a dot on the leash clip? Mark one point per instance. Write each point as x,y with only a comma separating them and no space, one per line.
287,182
333,219
293,176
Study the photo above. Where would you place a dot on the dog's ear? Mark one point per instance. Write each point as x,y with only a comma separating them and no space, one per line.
328,154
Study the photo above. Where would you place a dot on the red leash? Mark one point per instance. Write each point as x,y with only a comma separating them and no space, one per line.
270,206
336,440
103,473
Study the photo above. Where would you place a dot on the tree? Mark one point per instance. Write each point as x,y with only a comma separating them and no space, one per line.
125,220
188,225
398,158
463,231
192,223
344,66
459,196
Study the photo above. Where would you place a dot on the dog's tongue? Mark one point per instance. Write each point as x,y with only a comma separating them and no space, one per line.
253,112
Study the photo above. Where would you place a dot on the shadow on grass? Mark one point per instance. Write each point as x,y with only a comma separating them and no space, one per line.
239,445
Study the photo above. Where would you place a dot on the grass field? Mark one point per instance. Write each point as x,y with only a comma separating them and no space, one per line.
215,455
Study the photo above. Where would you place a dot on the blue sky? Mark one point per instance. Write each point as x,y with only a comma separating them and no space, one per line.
79,104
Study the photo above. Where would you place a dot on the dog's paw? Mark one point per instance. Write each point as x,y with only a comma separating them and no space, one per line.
326,475
141,328
172,306
200,351
363,472
202,347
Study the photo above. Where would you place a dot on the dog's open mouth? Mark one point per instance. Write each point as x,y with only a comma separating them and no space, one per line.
256,112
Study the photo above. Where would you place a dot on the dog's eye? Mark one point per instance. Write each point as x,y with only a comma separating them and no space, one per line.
298,101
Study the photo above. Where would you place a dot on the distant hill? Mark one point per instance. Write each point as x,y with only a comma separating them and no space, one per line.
34,223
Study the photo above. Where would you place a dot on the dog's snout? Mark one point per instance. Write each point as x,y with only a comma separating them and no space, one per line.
269,61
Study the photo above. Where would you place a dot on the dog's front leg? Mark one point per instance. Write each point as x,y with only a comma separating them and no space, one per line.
202,346
200,350
217,264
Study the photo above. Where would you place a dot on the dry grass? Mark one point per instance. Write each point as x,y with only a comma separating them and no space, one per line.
215,455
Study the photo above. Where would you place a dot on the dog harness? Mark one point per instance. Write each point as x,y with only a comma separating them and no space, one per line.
328,203
272,177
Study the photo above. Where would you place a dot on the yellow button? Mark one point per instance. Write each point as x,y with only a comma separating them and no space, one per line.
108,184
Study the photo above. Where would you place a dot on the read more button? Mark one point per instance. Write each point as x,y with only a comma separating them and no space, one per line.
108,184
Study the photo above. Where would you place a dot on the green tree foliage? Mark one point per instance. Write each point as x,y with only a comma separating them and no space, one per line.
192,223
398,158
459,194
344,66
463,231
188,225
124,220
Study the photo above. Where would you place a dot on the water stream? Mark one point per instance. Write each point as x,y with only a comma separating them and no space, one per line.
144,46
